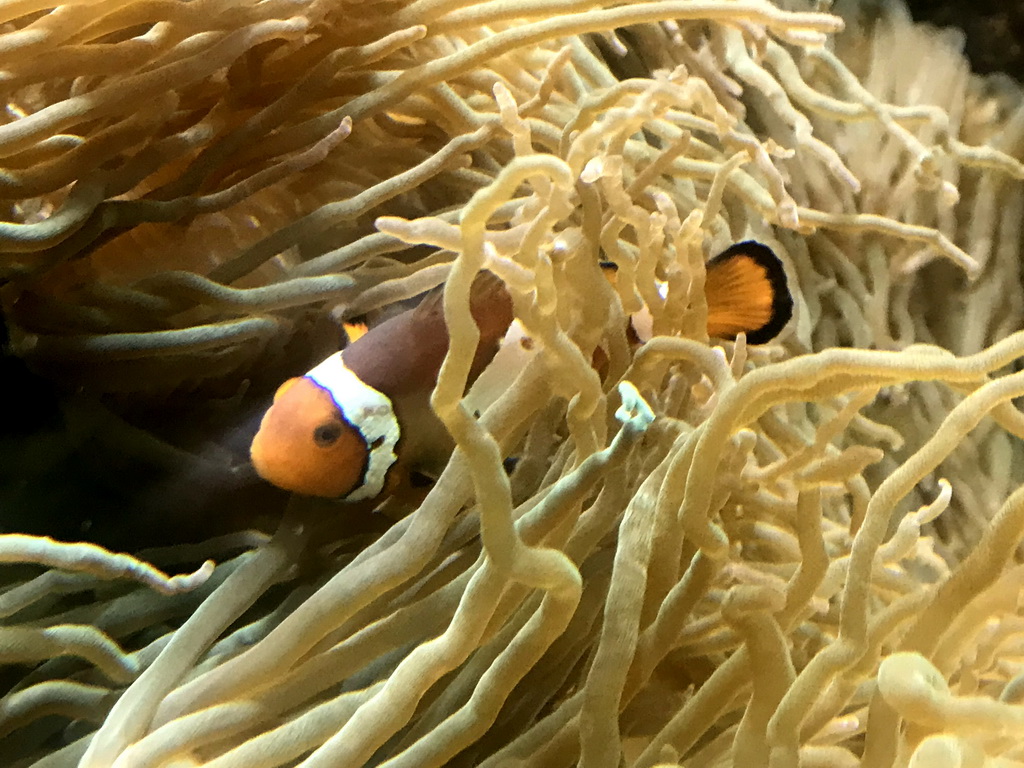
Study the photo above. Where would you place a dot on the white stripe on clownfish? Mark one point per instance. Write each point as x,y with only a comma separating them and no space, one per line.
370,412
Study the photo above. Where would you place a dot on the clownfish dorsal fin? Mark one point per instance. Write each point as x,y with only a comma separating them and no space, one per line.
431,305
747,292
490,304
354,331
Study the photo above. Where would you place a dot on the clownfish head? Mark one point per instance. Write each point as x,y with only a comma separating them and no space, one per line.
305,446
325,436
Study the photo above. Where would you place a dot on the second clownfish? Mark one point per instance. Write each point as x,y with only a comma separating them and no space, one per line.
355,422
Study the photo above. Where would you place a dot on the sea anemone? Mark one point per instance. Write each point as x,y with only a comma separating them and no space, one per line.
798,554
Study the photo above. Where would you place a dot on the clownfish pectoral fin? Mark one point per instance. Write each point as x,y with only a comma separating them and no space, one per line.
489,303
747,292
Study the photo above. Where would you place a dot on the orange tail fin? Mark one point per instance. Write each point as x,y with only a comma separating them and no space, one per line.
746,291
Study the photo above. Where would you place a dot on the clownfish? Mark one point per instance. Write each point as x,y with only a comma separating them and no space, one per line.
355,423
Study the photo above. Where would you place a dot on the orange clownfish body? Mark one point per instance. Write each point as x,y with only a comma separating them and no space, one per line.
346,428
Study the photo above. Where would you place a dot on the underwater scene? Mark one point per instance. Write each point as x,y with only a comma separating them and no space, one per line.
511,384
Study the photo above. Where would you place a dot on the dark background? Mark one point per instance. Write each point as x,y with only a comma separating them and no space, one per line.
994,29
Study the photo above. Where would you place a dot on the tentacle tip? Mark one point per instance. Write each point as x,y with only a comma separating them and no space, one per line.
634,410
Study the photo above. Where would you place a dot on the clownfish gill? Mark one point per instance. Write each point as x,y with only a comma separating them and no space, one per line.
359,422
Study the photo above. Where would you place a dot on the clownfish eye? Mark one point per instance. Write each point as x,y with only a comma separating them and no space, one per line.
327,434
